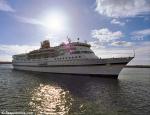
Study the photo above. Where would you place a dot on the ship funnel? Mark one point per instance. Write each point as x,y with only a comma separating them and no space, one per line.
45,44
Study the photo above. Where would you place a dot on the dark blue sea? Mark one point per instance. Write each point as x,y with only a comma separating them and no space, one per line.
39,93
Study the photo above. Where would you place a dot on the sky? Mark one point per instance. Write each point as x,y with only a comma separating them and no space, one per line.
114,28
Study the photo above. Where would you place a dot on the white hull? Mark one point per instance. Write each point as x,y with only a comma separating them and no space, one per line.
98,70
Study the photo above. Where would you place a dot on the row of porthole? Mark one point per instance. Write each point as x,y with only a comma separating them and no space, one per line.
49,61
65,58
56,58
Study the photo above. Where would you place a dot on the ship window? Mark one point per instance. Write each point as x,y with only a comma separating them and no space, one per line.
76,52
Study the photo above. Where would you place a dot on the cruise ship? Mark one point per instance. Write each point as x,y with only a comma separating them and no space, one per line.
69,58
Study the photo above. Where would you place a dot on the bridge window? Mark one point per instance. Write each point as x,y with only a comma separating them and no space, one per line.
79,52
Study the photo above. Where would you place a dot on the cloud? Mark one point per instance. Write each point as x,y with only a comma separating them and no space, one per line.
115,21
142,52
144,32
142,49
96,44
5,57
6,51
122,8
109,52
29,20
121,43
14,49
105,35
140,34
4,6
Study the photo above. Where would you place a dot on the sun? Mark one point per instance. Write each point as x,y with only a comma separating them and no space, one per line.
55,21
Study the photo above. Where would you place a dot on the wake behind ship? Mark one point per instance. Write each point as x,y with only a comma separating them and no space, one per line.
70,58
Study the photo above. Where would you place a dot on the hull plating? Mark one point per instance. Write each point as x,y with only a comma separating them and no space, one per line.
102,71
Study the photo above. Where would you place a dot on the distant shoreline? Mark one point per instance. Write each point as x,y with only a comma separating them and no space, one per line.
5,62
137,66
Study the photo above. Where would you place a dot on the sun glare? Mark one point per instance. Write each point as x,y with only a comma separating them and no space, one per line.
55,21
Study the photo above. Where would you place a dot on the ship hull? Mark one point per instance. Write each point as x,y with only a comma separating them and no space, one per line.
109,71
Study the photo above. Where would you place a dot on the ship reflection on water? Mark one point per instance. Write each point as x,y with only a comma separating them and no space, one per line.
50,99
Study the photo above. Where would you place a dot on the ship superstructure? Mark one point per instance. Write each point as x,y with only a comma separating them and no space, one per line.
70,58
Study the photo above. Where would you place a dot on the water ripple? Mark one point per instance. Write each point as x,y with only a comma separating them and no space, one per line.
73,95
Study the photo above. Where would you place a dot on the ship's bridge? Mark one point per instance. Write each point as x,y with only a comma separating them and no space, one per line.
80,44
76,49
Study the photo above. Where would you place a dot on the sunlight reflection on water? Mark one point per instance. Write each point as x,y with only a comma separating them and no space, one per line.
50,99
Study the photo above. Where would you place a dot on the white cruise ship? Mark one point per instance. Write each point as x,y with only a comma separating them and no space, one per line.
70,58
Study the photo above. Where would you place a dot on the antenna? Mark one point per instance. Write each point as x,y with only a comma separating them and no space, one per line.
69,40
133,52
78,39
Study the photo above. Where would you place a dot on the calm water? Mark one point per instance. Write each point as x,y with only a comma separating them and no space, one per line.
73,95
